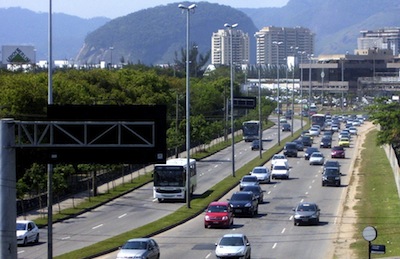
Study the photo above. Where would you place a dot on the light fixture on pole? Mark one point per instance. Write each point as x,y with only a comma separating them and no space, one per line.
230,27
188,10
259,101
277,43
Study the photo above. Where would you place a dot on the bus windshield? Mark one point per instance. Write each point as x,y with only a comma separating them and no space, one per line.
318,119
169,176
250,130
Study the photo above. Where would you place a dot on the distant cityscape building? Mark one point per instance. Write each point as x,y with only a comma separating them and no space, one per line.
387,38
294,40
220,47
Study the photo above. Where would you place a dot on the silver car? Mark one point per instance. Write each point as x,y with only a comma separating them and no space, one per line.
139,248
27,232
233,246
317,158
262,173
306,213
248,180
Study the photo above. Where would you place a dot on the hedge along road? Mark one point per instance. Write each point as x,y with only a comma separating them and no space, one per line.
138,207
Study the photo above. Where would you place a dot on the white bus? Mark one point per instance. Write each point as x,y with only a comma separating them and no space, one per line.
170,179
251,130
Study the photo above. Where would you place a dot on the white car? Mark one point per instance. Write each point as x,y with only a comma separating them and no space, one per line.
27,232
139,248
262,173
314,131
280,170
277,158
233,246
353,130
317,158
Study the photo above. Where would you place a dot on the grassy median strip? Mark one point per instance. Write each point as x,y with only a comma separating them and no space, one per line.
198,205
377,201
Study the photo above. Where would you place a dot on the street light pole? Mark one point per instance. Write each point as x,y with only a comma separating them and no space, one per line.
230,27
111,57
188,10
309,81
294,65
277,43
259,102
301,88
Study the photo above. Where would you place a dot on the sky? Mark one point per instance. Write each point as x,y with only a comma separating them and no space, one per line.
116,8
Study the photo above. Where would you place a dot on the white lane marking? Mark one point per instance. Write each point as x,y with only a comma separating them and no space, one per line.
283,230
65,238
269,192
209,254
303,199
274,245
20,252
291,217
215,166
123,215
155,199
309,187
97,226
313,181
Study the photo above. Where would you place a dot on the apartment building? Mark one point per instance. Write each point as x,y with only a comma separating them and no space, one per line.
386,38
221,47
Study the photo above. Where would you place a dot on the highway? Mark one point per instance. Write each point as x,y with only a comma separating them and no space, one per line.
138,207
272,233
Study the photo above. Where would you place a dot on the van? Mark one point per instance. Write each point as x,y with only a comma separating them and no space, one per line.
290,149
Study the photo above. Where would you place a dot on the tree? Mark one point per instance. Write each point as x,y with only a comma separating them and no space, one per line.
197,62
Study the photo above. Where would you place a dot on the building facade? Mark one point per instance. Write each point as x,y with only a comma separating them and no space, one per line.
221,47
387,38
275,44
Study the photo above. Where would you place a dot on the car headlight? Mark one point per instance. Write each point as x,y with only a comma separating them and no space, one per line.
314,216
207,217
225,218
337,178
248,204
324,178
297,216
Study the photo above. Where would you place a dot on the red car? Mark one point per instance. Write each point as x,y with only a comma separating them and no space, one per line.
218,214
338,152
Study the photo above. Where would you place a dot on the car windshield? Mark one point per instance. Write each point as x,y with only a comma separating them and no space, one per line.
331,172
137,245
311,150
254,189
21,226
338,148
278,157
280,167
217,208
249,179
316,155
306,207
259,171
241,197
231,241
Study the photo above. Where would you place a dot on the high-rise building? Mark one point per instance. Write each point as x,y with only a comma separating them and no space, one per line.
289,42
387,38
221,47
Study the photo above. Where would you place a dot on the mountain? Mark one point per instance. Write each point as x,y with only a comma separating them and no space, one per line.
23,27
153,35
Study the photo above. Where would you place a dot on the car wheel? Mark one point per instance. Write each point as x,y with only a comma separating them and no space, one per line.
37,239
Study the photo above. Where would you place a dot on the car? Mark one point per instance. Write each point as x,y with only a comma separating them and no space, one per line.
335,127
306,213
353,130
331,176
233,245
139,248
299,144
332,163
307,141
258,192
278,157
255,145
27,232
244,203
262,173
344,133
286,127
356,123
290,149
248,180
280,170
344,142
218,214
314,131
309,151
326,142
338,152
317,158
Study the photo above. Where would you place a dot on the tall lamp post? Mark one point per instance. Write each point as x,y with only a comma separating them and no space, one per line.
309,80
189,9
301,87
259,102
277,43
294,65
230,27
111,57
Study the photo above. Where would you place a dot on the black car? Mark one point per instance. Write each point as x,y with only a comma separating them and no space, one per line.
255,145
290,149
258,192
326,142
331,176
286,127
244,203
299,144
332,163
309,151
307,141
